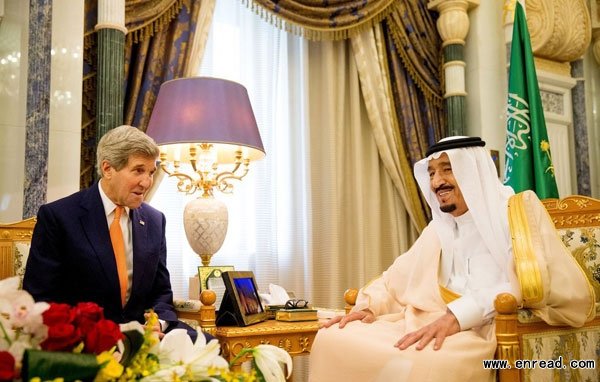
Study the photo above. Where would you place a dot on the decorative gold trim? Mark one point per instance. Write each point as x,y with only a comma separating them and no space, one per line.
295,338
318,33
275,328
507,349
448,295
528,271
22,230
567,212
155,24
9,234
304,344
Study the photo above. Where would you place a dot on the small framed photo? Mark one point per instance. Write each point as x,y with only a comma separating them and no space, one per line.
241,304
211,278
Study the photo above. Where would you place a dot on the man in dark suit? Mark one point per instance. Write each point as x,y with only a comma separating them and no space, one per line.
79,253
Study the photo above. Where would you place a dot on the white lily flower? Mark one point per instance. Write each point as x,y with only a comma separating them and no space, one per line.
27,314
270,360
20,318
9,284
8,288
173,373
176,349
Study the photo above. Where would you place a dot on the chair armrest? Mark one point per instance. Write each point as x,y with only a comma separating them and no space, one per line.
350,296
506,335
202,312
187,305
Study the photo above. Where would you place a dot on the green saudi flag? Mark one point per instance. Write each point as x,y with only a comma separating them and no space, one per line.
528,164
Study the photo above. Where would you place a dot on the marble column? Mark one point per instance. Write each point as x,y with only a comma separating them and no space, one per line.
453,26
111,60
38,106
580,130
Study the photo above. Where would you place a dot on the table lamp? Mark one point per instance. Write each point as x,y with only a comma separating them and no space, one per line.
208,136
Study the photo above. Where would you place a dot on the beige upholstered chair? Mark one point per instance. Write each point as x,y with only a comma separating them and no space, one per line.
15,241
522,336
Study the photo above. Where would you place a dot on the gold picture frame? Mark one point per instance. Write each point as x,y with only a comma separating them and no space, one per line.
241,304
206,272
211,277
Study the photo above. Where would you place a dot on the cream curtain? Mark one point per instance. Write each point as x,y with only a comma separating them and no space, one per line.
370,55
358,223
320,213
198,40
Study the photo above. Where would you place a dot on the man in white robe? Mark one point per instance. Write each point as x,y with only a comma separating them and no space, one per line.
429,317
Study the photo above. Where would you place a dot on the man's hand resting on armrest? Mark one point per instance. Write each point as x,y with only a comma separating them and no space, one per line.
153,322
364,315
439,329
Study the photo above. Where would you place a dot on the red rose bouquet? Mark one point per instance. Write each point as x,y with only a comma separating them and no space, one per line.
83,327
44,342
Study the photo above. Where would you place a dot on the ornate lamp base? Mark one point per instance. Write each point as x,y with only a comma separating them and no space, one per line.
205,223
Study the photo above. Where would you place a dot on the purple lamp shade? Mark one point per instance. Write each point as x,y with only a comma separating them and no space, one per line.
206,110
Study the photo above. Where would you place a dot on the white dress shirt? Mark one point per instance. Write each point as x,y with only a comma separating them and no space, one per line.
474,275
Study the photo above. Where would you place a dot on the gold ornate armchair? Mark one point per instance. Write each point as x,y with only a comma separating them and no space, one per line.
523,336
15,241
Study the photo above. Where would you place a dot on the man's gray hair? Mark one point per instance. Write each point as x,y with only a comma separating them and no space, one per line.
118,144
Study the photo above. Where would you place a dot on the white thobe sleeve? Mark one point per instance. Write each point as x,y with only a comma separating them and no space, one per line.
476,307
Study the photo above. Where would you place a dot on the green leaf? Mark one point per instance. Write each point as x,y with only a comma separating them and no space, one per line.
132,341
50,365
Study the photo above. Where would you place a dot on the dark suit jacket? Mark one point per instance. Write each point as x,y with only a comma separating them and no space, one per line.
71,259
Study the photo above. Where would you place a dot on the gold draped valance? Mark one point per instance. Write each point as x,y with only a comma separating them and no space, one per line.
322,20
144,18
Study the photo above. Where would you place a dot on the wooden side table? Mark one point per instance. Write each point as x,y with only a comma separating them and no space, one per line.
294,337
